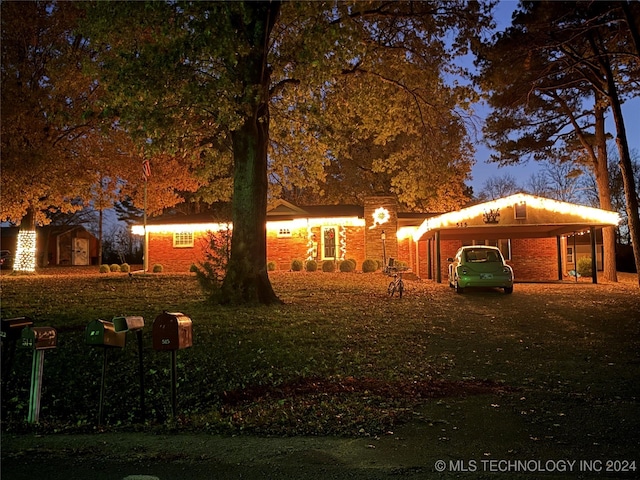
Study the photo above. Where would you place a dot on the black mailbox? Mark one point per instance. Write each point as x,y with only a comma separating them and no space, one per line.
101,333
172,331
12,327
39,338
129,323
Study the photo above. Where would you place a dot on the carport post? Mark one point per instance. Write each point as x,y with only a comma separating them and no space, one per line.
559,248
594,260
438,272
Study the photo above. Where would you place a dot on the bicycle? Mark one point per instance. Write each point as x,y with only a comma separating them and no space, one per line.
396,285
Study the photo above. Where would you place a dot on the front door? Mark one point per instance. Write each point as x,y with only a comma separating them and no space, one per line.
80,253
329,243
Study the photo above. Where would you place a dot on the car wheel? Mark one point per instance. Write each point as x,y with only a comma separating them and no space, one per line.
457,286
508,290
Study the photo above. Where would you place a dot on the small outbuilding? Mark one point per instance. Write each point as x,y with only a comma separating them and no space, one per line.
71,245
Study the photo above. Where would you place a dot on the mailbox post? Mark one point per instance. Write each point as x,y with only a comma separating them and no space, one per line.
134,324
172,332
39,339
100,333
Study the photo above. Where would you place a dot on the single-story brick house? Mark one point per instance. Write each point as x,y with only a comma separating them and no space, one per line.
531,231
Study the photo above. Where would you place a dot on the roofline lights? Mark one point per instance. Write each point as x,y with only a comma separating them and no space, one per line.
590,214
181,228
271,226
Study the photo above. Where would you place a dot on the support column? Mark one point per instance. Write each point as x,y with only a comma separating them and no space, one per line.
438,272
560,256
594,259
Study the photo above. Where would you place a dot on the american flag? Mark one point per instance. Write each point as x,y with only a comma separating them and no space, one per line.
146,170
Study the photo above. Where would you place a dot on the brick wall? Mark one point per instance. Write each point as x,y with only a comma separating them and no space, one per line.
162,251
373,234
283,251
534,259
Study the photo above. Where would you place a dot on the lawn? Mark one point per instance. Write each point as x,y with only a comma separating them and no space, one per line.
553,367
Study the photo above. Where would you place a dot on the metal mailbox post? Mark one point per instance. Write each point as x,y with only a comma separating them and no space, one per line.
100,333
172,332
134,324
39,339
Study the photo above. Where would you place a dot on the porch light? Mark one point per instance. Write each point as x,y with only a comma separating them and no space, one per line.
25,260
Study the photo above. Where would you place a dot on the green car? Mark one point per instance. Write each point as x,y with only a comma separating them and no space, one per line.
479,266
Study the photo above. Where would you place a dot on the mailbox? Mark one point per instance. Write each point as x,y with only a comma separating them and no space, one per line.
172,331
12,327
128,324
101,333
39,338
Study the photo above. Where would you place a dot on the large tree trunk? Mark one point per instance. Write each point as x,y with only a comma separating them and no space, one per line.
601,170
633,212
246,280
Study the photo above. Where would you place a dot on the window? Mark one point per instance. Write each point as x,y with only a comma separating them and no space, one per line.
569,254
329,239
520,211
182,239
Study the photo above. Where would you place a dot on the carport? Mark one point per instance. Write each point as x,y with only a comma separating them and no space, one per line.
519,216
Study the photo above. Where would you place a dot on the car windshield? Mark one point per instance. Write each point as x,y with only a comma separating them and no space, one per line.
482,255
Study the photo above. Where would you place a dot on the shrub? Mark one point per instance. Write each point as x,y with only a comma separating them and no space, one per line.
271,266
584,266
114,267
125,268
347,266
296,265
104,268
193,268
311,266
157,268
211,272
353,261
369,266
379,264
328,266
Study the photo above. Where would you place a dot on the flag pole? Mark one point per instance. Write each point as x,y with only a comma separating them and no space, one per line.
146,172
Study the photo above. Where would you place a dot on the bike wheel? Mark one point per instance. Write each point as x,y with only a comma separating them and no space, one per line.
400,288
392,289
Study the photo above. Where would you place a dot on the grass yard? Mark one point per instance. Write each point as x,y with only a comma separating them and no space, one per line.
551,368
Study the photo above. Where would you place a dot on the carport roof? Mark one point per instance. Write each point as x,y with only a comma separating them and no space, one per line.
516,216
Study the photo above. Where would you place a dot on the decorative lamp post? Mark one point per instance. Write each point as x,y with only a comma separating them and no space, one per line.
383,236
